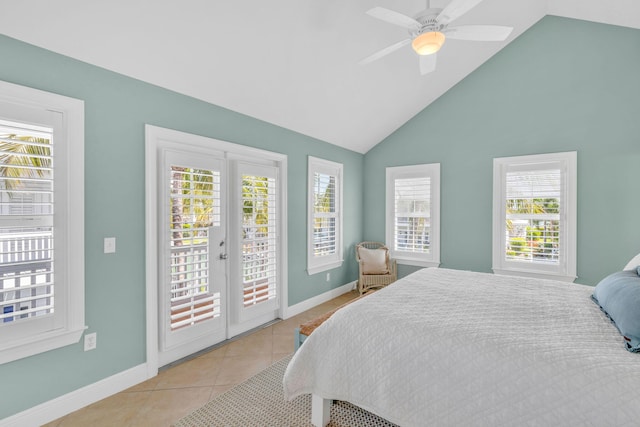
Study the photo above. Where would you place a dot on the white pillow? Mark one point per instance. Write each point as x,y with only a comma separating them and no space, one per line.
635,262
374,260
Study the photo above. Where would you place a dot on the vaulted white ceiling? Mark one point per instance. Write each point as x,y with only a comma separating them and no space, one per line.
293,63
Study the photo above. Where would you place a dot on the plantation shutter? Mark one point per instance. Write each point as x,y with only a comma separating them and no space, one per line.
259,239
26,223
325,214
533,207
412,213
195,207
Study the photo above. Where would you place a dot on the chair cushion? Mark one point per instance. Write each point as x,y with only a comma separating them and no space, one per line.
374,261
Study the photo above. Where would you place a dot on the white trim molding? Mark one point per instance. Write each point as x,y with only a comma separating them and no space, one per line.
32,109
422,185
157,139
553,179
334,257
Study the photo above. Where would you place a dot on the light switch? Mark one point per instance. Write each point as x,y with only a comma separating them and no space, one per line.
109,245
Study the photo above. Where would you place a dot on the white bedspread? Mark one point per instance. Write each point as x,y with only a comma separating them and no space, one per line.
453,348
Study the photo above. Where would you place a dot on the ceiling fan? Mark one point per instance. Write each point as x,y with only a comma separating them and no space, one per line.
429,29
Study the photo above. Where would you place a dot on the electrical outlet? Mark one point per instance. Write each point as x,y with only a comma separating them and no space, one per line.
90,341
109,245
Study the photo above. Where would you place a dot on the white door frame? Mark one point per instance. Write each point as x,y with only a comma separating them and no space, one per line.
157,138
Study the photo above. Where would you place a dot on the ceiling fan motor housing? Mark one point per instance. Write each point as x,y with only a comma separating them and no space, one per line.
428,22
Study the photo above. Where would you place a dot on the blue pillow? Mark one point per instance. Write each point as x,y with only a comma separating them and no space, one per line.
618,295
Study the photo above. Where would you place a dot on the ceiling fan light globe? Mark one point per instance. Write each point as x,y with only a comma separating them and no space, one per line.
428,43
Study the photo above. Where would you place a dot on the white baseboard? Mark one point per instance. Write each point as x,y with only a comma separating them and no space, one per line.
318,299
63,405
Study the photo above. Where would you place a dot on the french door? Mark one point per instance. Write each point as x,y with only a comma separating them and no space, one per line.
219,246
192,285
254,266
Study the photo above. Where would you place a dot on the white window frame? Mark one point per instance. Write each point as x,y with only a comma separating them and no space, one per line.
30,106
317,264
420,259
566,162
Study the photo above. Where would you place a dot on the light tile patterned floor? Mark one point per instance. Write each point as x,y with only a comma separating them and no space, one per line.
178,390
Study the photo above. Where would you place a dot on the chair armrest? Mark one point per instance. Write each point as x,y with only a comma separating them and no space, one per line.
393,267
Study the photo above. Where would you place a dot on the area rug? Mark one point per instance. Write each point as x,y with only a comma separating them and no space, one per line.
259,401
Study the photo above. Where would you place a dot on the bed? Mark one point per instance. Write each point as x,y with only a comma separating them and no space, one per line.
446,347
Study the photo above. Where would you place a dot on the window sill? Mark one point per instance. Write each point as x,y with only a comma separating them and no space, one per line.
42,343
324,267
537,275
416,262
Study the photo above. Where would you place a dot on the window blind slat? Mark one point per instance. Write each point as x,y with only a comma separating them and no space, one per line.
192,319
203,303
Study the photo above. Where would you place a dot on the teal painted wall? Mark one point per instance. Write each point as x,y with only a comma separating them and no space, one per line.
563,85
116,110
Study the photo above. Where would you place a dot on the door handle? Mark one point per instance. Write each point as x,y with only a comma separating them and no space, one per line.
224,256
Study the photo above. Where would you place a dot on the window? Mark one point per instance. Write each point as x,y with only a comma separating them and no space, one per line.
41,221
413,214
324,250
534,215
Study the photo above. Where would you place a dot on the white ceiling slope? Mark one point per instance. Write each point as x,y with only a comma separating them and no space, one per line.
293,63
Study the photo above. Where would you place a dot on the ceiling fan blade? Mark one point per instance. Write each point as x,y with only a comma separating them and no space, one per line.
427,63
395,18
483,33
456,9
387,50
